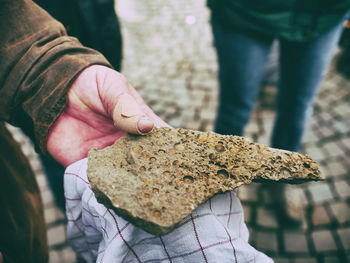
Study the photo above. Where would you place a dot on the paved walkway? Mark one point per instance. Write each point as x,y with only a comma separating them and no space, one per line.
170,60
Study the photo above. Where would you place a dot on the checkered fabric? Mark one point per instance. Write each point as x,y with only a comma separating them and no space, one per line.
214,232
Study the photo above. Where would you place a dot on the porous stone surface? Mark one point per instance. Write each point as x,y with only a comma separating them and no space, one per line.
156,180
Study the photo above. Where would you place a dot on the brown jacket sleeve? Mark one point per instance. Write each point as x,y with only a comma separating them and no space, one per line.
38,62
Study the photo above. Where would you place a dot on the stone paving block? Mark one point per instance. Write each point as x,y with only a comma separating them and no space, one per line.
341,211
252,127
207,113
247,213
343,188
295,195
320,192
56,235
52,214
341,126
54,257
336,168
268,116
344,234
331,259
41,180
305,260
323,241
309,136
266,241
320,216
265,137
282,259
35,164
17,134
333,149
325,116
176,122
266,197
248,193
323,170
206,125
47,197
326,131
345,141
68,255
28,149
295,242
341,109
266,217
346,163
315,152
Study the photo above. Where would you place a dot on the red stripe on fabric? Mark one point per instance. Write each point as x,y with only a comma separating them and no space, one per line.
194,217
104,230
197,237
88,202
87,210
105,213
122,237
76,175
165,249
233,247
229,214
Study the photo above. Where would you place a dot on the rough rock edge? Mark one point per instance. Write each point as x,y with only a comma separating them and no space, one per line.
158,227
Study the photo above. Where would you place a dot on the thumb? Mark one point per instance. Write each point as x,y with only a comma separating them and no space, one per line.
129,117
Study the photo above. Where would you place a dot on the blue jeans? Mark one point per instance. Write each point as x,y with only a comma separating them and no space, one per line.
242,58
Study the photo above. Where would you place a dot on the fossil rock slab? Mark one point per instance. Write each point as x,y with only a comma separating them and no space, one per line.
155,181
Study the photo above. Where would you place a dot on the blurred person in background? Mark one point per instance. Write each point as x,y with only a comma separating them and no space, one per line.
244,30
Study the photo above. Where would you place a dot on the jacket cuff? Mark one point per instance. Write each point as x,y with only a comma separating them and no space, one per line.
50,77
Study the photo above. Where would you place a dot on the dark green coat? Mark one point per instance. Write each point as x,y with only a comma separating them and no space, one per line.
296,20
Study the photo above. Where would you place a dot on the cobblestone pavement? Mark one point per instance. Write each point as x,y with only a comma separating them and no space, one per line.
170,60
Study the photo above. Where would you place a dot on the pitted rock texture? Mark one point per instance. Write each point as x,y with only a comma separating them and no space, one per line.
155,181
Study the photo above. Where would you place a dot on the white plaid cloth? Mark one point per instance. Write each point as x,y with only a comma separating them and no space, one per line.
214,232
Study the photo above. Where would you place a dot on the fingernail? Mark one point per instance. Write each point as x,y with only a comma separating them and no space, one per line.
145,125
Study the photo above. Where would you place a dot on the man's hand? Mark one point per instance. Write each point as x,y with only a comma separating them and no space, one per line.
102,106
